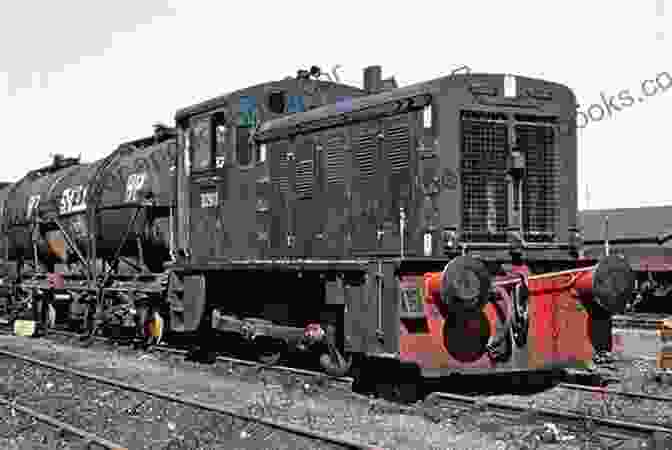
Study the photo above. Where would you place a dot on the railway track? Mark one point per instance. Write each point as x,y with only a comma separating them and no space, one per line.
638,321
310,377
307,375
59,429
612,432
273,433
614,392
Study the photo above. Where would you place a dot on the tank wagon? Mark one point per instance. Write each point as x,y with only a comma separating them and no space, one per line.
99,234
89,226
332,234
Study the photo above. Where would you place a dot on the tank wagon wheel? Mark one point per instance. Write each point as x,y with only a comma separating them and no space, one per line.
87,319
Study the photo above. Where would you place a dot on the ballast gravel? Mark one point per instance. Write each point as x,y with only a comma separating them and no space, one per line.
151,423
148,424
20,431
139,421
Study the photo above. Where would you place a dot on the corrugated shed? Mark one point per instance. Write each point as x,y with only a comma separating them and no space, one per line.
626,223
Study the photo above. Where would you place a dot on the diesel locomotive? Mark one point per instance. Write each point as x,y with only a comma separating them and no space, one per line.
391,233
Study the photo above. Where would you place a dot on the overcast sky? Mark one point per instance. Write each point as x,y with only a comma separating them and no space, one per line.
80,76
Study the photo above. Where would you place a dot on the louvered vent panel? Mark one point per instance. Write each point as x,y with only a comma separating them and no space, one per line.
304,178
335,152
366,153
397,145
280,175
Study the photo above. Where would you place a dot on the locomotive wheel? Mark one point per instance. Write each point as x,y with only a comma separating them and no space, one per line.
333,361
399,392
335,364
400,384
269,351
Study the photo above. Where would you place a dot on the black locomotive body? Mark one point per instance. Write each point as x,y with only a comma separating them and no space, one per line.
328,232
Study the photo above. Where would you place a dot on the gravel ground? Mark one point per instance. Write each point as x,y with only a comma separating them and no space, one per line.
635,368
637,343
331,411
19,431
599,405
344,418
137,420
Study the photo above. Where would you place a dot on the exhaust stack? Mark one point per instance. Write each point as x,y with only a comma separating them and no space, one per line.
373,79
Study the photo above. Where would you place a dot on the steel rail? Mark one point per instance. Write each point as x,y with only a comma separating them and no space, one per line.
225,359
640,429
641,396
90,438
294,429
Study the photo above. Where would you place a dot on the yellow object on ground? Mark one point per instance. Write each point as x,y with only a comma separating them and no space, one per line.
24,327
664,357
156,326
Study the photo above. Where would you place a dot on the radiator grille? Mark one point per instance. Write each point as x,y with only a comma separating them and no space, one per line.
485,149
335,152
541,190
484,188
366,153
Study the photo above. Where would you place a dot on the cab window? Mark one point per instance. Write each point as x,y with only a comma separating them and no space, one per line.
200,143
243,147
223,141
